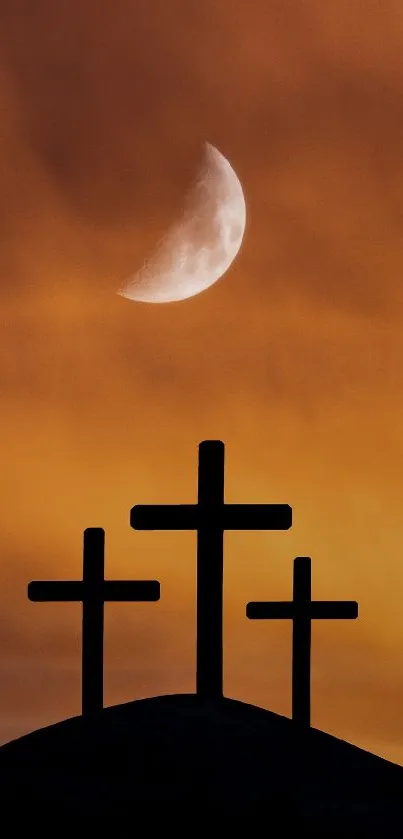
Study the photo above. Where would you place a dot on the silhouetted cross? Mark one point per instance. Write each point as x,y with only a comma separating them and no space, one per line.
302,610
210,517
92,591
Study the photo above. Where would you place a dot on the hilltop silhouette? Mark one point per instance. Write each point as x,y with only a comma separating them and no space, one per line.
194,754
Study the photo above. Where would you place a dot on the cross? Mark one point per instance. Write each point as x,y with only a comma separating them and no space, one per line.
210,517
302,610
92,591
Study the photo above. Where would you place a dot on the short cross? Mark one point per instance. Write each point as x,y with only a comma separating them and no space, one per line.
302,610
92,591
210,517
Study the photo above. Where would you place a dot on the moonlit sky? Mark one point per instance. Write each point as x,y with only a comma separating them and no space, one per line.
294,358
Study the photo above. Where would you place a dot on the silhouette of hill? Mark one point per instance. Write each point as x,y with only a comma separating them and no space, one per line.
186,753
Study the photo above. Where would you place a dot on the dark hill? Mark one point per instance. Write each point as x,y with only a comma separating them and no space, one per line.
175,753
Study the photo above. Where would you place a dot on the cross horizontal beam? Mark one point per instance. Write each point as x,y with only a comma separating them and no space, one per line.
76,591
220,516
314,610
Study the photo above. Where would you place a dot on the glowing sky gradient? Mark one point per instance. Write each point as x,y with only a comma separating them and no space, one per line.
294,358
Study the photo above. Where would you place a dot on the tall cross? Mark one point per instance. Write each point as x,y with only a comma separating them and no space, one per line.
302,610
210,517
92,591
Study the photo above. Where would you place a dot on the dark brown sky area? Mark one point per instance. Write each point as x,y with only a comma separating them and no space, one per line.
294,358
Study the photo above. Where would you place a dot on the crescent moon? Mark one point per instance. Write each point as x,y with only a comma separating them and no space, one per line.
200,247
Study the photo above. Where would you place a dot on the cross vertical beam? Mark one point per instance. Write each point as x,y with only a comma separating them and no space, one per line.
210,546
93,615
301,641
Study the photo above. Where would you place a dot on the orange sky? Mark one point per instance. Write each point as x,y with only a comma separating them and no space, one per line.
293,358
